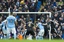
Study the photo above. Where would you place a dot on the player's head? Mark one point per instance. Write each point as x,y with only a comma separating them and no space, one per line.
11,13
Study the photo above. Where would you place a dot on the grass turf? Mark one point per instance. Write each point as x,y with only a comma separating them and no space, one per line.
11,40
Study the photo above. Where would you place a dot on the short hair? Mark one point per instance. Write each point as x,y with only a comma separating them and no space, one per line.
11,13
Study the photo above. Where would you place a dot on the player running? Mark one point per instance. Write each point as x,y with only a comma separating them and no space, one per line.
11,21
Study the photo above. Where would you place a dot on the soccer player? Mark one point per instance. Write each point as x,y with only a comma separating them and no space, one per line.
11,21
1,36
4,28
41,30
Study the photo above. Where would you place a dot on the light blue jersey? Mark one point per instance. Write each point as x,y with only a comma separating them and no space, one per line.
11,21
40,25
41,32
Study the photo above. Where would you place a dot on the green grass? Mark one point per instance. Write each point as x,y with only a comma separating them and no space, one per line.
11,40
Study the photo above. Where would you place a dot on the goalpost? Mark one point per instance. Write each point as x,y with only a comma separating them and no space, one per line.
32,13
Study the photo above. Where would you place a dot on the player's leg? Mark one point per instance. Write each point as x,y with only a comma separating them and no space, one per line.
14,32
8,33
1,36
40,34
4,33
31,35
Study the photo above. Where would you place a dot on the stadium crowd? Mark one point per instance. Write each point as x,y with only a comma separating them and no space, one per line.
56,20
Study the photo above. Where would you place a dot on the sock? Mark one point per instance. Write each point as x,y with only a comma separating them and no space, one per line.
14,35
29,37
8,36
39,37
4,36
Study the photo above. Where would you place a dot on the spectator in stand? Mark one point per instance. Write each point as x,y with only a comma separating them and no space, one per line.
54,3
60,2
18,3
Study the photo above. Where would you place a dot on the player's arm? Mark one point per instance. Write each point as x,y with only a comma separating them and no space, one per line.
23,22
5,22
15,21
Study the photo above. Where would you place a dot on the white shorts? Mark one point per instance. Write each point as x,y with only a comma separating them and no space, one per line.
5,31
13,30
41,32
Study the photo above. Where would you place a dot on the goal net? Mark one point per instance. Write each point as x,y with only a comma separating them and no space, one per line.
44,17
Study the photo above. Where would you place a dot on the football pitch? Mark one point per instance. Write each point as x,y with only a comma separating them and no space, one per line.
31,40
